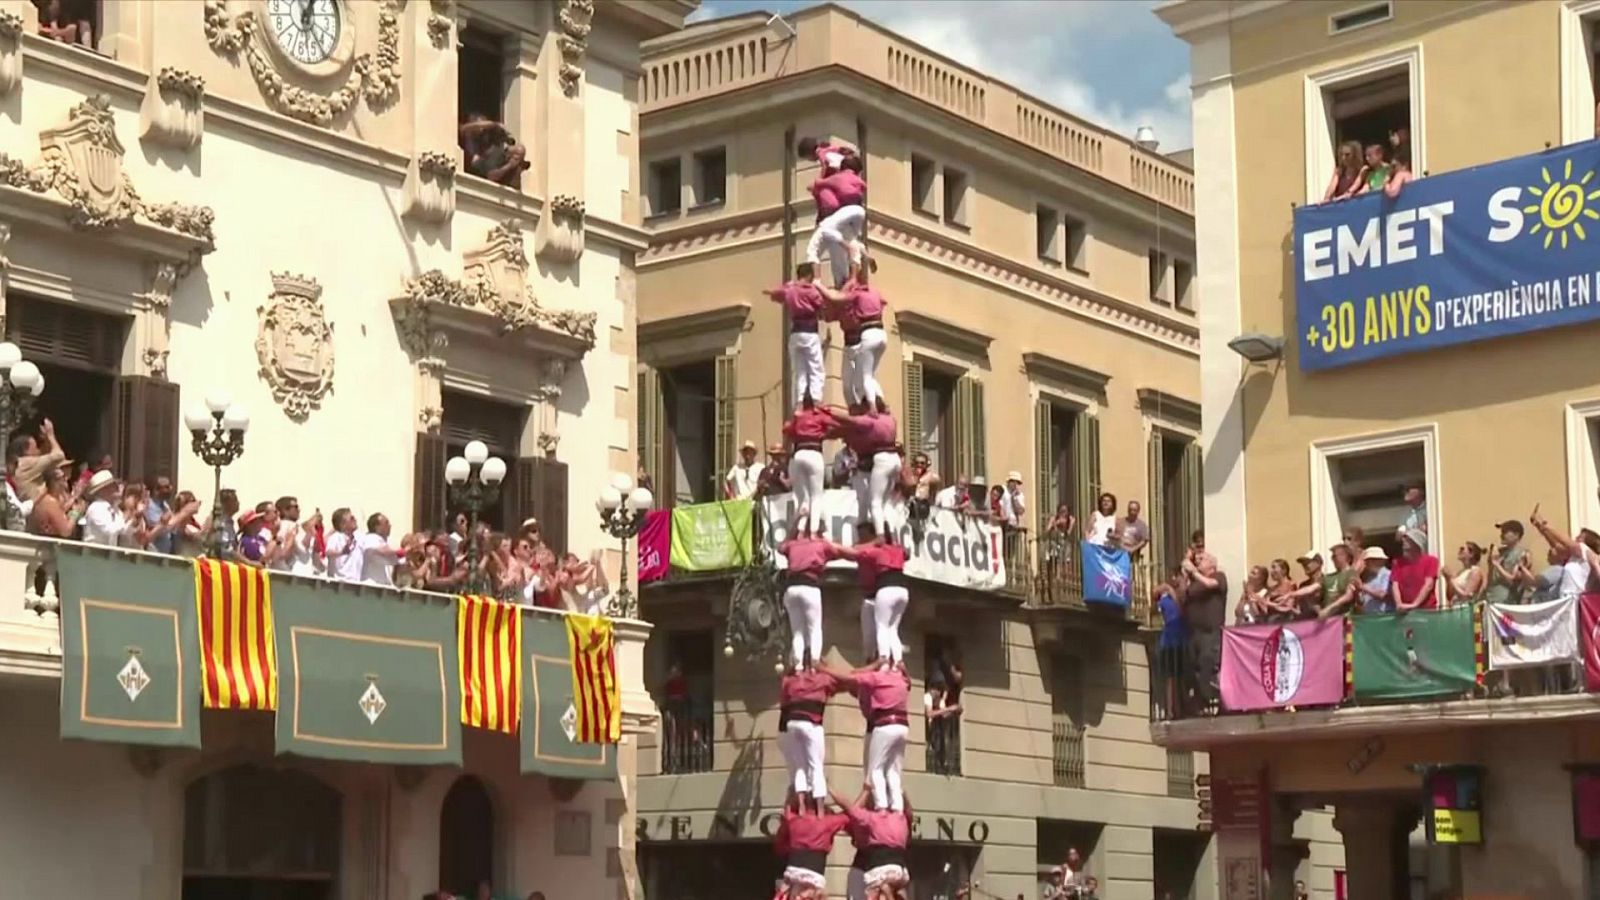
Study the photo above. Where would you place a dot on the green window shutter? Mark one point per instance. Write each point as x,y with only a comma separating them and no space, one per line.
1193,489
652,415
726,418
977,450
1157,507
960,422
911,409
1086,465
1045,489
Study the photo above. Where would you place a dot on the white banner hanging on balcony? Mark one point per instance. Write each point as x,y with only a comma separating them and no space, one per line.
1532,634
947,548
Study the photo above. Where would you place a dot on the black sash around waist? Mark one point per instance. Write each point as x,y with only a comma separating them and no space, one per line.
892,578
870,323
803,325
869,858
808,445
887,717
852,338
810,860
808,710
802,576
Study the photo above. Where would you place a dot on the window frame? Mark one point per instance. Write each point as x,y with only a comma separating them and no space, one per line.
934,191
697,183
1320,159
961,218
1583,462
1182,291
652,183
1326,529
1050,252
1333,18
1576,48
1158,271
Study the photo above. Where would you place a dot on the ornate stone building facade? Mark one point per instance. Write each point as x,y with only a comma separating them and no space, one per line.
267,199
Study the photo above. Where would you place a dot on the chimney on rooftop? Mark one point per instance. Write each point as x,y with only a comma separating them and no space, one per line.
1146,138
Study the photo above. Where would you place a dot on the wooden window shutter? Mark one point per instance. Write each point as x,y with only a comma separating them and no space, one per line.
1156,511
652,414
727,418
1045,487
428,492
1193,489
960,421
977,445
145,428
67,334
911,409
1086,465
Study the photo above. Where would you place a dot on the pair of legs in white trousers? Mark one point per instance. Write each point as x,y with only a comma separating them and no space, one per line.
869,628
886,757
861,367
888,608
803,603
801,744
872,491
838,235
805,361
805,474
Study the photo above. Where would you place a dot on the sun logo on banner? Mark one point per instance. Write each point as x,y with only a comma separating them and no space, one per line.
1562,206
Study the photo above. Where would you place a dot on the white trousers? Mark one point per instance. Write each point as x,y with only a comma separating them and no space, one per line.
794,761
869,628
861,366
838,235
803,602
805,361
806,742
886,757
800,879
888,608
885,473
806,468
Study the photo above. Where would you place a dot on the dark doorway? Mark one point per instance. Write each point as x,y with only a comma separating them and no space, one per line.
79,352
466,838
256,833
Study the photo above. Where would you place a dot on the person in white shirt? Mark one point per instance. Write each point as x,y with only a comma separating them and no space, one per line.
741,481
1103,527
104,523
587,585
296,540
1012,504
952,496
344,552
377,557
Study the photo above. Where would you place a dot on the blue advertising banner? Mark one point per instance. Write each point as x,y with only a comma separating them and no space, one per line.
1107,575
1496,250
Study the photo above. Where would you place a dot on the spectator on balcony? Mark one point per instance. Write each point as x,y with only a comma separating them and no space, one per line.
1252,606
1135,530
1280,601
1346,178
378,558
490,150
586,584
1205,606
344,552
1580,566
1467,583
64,21
1505,559
1400,173
1415,575
1336,584
740,484
54,510
1168,601
775,475
1319,587
952,496
33,461
256,542
1372,592
1102,527
303,543
994,509
1416,518
106,521
1013,513
188,535
1376,171
1356,540
222,520
157,509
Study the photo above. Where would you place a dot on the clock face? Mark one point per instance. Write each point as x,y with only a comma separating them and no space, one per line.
306,30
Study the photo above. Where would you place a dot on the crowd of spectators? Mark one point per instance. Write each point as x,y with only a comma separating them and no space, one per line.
48,495
67,21
1357,576
1371,169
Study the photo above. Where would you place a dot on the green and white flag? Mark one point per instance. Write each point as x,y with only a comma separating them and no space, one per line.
708,537
1413,655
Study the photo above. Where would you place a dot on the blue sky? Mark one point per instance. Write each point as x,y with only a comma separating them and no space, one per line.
1110,61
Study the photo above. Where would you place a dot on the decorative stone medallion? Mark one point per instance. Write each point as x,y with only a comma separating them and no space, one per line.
294,344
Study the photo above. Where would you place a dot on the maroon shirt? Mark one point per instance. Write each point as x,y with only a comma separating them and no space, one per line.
866,435
805,554
880,829
801,298
873,560
883,691
806,685
814,833
847,188
827,198
809,426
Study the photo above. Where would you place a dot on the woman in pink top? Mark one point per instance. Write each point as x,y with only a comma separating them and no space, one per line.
872,435
806,555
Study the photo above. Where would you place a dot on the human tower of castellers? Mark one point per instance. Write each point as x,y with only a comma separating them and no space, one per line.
878,821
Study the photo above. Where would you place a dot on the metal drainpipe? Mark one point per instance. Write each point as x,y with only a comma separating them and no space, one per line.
788,263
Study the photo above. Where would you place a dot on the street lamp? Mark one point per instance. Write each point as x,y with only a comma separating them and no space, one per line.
20,383
218,432
473,480
622,509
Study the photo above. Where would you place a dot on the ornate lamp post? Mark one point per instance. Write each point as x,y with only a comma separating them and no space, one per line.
218,432
20,383
622,510
473,480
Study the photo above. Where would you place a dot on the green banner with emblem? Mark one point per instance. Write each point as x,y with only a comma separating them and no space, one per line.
130,652
367,677
549,718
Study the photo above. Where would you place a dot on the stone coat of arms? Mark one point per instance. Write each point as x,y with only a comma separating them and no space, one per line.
295,344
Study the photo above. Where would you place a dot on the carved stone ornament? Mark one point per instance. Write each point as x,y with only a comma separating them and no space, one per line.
574,18
81,162
173,112
440,23
430,188
560,234
375,76
10,51
295,344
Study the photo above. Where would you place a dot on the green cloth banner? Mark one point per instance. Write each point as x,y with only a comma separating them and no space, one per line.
549,719
366,677
1423,653
708,537
130,654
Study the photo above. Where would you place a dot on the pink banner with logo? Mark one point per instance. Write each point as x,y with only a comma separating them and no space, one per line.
1273,666
655,545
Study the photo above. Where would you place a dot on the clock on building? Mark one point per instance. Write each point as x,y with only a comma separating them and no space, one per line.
307,31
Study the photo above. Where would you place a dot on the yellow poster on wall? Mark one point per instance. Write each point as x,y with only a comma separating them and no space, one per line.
1457,826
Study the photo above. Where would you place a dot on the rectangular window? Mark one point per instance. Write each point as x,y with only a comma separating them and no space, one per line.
1360,17
78,22
1157,266
1076,241
943,655
1362,483
955,197
1183,284
480,73
665,188
1366,114
1067,707
79,353
471,417
1047,227
938,430
924,172
1178,859
1583,462
689,393
686,697
711,177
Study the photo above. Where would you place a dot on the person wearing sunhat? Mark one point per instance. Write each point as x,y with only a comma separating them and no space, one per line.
254,543
1307,595
774,477
1368,591
1414,577
742,479
104,523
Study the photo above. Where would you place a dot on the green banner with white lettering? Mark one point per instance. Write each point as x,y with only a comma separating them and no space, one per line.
130,651
549,716
366,677
1414,655
708,537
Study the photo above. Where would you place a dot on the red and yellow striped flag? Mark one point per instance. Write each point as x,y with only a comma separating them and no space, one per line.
595,694
238,660
489,645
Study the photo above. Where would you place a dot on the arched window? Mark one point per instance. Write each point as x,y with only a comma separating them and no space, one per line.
466,837
255,833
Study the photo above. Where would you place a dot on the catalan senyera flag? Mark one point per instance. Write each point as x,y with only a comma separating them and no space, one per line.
489,643
595,694
238,659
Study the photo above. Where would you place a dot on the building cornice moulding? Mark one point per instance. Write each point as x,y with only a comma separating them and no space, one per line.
1162,407
1076,378
936,331
1187,16
729,318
